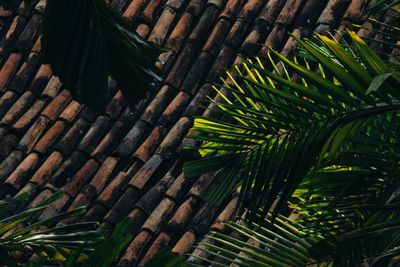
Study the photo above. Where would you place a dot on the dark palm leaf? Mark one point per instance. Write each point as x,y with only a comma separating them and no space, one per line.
86,41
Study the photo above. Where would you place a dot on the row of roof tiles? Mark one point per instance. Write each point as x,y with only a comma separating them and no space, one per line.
129,163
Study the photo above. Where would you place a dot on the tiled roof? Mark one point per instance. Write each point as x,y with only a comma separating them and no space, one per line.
129,162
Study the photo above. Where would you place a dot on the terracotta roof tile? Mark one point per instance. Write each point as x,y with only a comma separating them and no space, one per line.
160,242
27,37
180,32
72,136
68,168
182,216
7,143
127,162
25,73
19,176
159,215
94,134
237,33
109,141
161,29
6,101
185,243
57,105
33,134
8,70
135,249
123,206
30,115
48,167
250,9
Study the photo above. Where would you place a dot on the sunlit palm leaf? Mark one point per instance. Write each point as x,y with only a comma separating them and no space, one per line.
285,129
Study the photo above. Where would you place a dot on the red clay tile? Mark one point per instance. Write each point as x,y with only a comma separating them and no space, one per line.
195,105
288,12
102,176
6,101
27,37
57,105
19,176
217,36
7,143
271,11
8,70
203,26
109,141
68,168
197,72
52,210
45,171
27,119
135,249
225,215
116,106
72,137
145,173
185,243
40,80
134,8
123,206
157,105
162,27
253,42
309,13
143,30
221,64
201,184
181,66
159,215
150,144
34,133
160,242
175,4
203,218
9,164
174,108
148,14
174,137
328,15
149,201
180,32
94,134
231,9
37,47
250,9
195,7
8,41
19,108
237,33
25,73
71,111
355,10
81,177
181,217
138,217
53,87
112,191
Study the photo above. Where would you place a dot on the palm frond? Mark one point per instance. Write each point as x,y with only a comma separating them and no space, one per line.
44,238
283,128
87,41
